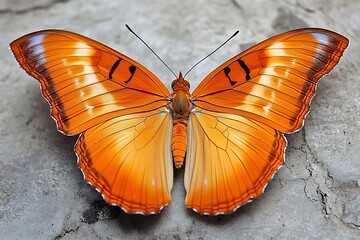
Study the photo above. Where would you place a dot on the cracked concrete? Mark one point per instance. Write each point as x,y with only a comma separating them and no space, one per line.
315,196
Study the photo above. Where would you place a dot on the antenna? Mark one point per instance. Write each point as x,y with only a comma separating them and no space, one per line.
210,53
127,26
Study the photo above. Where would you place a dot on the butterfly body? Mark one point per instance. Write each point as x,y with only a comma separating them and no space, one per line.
229,131
180,106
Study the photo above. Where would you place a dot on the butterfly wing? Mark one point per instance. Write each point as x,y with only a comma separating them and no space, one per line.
274,81
84,81
241,110
230,159
118,104
129,160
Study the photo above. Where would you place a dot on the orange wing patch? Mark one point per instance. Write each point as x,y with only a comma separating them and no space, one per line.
229,161
86,82
128,159
274,81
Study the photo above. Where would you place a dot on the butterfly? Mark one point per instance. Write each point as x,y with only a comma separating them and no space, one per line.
229,131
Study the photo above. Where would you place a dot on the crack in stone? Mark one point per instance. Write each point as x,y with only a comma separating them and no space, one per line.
317,171
306,194
313,155
312,159
357,226
66,231
35,8
347,224
323,200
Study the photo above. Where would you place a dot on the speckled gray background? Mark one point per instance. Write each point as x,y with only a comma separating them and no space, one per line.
315,196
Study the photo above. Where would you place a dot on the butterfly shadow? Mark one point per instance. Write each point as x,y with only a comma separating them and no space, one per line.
100,210
246,212
221,219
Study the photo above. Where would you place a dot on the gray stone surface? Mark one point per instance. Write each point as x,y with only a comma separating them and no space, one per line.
315,196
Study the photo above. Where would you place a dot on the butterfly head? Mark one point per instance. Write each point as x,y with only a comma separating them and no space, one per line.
180,83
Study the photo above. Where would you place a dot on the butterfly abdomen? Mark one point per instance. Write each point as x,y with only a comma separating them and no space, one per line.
179,142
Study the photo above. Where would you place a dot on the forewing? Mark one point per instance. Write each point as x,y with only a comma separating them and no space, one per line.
129,160
230,159
84,81
274,81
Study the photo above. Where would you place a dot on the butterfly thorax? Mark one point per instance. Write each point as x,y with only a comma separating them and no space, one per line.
180,107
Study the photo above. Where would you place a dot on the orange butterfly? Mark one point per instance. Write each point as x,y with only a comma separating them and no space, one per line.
230,130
